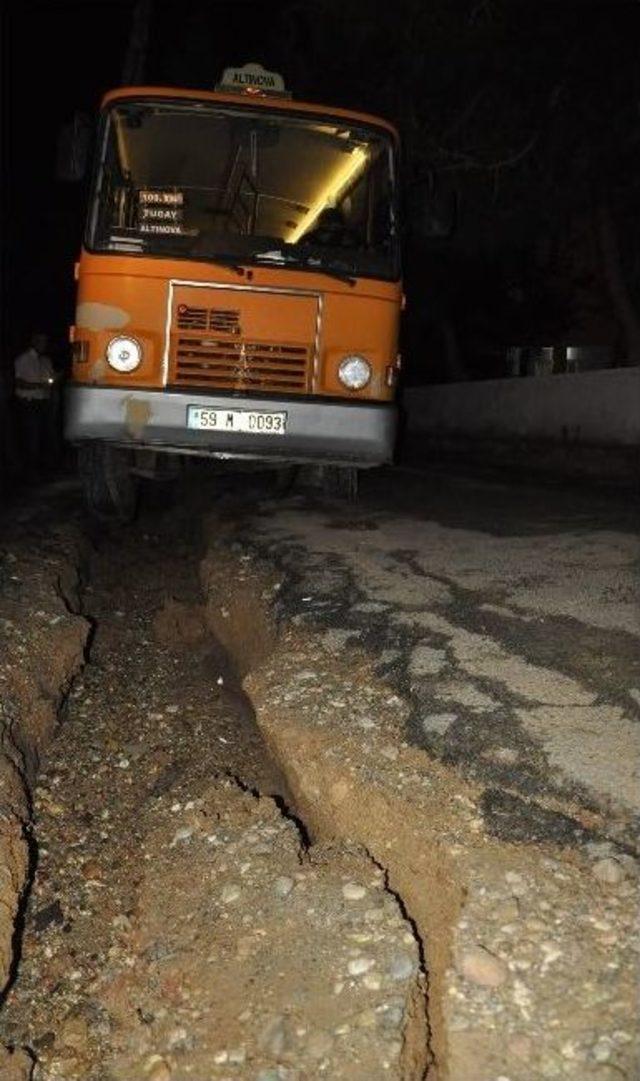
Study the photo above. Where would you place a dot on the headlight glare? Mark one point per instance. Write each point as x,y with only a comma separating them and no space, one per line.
124,354
354,372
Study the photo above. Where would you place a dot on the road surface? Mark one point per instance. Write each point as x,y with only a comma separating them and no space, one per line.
340,790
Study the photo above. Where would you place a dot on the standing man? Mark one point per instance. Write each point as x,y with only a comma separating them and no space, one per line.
34,382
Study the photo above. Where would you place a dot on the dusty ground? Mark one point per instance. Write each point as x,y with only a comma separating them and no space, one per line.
508,631
388,831
508,617
179,925
42,643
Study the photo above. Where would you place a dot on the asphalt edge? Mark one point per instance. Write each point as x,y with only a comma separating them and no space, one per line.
450,851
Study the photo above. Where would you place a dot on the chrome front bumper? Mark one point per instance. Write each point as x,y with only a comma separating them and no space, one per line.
325,430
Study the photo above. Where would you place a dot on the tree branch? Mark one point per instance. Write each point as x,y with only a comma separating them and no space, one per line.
467,161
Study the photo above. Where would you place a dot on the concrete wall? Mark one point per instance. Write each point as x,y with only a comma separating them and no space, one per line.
592,409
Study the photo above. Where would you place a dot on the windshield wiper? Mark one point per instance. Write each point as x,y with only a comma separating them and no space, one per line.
280,258
220,260
230,263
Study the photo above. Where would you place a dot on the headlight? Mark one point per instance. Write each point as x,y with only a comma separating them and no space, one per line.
124,354
354,372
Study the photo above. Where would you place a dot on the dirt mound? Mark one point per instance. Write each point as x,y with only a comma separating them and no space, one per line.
512,934
41,648
256,958
180,927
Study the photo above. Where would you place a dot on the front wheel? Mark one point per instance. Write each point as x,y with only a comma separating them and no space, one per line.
286,478
340,482
110,489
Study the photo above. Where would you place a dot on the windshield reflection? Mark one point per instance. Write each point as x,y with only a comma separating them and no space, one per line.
194,181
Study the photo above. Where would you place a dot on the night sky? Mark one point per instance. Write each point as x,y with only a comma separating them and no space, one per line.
52,68
528,113
60,56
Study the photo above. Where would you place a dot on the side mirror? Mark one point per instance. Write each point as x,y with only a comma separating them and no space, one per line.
431,210
74,144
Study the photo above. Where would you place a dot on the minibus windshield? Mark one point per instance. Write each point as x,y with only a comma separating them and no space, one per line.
199,181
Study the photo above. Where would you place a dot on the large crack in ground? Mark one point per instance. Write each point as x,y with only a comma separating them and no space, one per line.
179,924
511,933
479,702
247,870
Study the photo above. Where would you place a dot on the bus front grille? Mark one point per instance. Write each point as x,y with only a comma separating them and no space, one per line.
223,320
232,365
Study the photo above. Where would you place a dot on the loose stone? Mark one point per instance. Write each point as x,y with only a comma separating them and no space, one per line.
283,886
360,965
602,1051
392,1015
401,967
483,967
516,882
351,891
609,871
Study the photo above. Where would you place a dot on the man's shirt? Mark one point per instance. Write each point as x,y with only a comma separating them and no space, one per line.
33,367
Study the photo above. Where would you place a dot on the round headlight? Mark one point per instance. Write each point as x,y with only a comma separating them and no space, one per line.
354,372
124,354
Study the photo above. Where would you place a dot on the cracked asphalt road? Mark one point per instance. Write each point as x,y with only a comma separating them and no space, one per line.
507,613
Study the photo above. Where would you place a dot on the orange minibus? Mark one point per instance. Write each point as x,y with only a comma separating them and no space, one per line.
238,290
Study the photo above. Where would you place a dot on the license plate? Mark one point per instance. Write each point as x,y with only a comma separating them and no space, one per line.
246,421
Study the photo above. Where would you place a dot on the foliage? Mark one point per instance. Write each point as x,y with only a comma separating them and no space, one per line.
529,110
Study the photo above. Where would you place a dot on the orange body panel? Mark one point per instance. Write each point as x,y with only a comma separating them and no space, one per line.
137,296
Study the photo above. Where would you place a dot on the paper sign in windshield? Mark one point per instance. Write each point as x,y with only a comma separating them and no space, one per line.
161,198
161,212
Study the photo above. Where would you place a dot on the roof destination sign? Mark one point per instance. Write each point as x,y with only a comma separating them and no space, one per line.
252,79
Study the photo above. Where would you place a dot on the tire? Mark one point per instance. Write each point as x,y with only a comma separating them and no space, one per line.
110,489
286,478
340,482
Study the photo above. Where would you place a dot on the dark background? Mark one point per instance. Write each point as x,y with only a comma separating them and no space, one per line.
527,113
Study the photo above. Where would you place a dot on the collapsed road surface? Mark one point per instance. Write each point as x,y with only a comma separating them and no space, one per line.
179,925
342,792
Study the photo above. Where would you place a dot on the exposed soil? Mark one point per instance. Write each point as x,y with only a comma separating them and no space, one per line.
511,932
179,925
285,886
41,649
